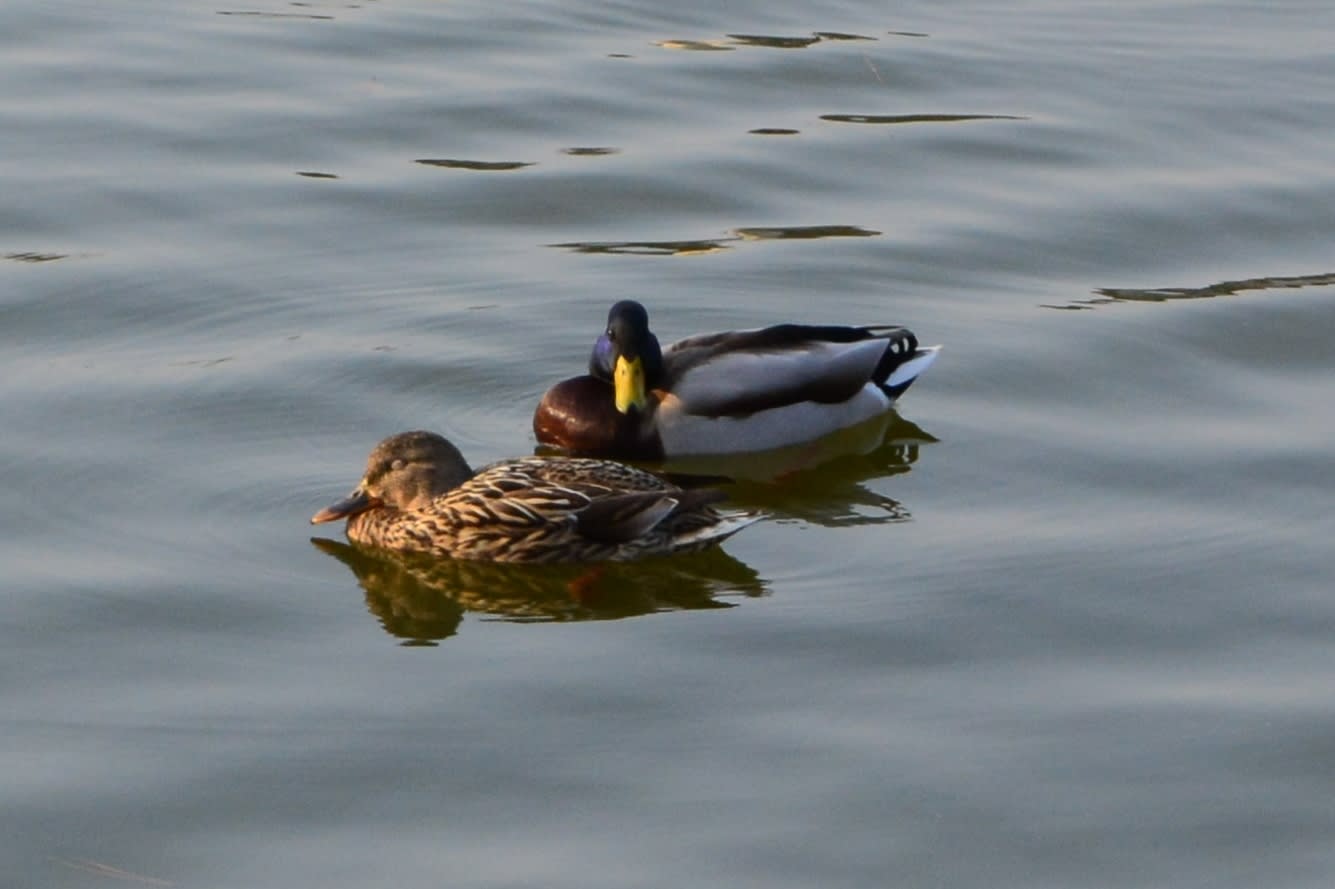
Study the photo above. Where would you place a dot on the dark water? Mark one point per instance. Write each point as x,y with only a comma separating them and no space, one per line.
1067,622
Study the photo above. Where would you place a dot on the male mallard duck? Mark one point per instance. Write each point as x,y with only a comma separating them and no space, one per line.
725,393
419,495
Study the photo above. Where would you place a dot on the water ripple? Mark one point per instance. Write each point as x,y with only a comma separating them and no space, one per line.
255,13
804,232
839,35
486,166
696,247
695,45
915,118
31,256
648,248
774,42
767,41
1108,295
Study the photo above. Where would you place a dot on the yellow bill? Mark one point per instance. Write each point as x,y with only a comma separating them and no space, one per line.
628,379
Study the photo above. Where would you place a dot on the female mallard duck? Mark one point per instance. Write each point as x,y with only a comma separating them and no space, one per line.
725,393
419,495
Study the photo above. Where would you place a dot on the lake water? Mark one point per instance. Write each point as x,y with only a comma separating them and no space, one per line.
1068,621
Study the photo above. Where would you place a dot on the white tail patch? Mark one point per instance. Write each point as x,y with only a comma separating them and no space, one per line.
913,367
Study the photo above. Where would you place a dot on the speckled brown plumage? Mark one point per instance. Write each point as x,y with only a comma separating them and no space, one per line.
418,495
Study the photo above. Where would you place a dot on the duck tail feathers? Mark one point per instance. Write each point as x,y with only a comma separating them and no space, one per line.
898,345
728,525
902,374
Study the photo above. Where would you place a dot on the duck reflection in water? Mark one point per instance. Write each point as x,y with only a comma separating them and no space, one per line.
421,599
824,482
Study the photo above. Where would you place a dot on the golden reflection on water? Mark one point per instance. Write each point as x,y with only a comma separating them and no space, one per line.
420,598
774,42
695,45
840,35
1108,295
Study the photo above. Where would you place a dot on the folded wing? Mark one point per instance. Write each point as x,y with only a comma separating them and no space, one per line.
745,372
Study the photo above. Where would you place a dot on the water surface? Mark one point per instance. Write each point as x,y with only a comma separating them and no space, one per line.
1064,620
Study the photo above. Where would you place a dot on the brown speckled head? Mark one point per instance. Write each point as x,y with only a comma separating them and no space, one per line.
408,470
405,471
